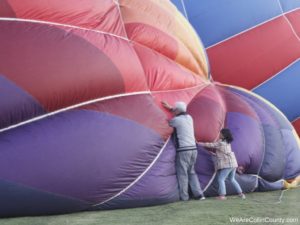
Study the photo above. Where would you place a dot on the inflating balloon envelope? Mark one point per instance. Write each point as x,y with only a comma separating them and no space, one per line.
82,127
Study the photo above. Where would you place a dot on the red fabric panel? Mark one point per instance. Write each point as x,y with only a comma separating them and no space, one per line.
101,15
152,38
296,125
184,95
6,10
167,75
252,57
235,103
123,56
139,108
208,112
57,67
294,18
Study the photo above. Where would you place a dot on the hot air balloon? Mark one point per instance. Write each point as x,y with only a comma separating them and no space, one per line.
81,121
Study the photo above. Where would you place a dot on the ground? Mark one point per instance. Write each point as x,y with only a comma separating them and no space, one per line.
272,207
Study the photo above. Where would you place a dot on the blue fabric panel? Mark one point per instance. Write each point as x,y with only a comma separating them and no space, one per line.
19,200
288,5
283,91
273,165
216,20
179,6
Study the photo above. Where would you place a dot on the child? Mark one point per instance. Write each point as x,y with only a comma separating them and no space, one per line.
226,163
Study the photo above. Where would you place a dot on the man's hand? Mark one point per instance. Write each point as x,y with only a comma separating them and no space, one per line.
166,105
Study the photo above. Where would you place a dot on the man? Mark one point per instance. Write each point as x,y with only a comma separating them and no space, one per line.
186,151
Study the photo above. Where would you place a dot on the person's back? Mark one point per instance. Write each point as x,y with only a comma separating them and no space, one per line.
186,151
225,162
183,123
224,155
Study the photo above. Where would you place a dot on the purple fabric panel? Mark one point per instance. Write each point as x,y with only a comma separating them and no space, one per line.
270,116
274,161
20,200
204,166
264,185
259,107
158,185
248,141
15,104
82,154
292,167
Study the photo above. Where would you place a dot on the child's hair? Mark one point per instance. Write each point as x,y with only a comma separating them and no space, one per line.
227,135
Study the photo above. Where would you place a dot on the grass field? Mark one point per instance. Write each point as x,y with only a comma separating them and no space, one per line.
257,206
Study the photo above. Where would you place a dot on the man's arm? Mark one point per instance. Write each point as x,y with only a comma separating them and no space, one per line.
167,105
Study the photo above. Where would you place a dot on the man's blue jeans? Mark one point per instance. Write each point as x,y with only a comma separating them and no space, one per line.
222,174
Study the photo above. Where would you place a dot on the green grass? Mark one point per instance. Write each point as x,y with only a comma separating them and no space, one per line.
210,211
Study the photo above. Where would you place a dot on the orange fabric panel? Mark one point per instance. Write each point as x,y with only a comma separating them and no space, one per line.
153,38
167,75
190,53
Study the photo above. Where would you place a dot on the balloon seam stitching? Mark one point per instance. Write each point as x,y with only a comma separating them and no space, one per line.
72,107
297,118
184,9
288,21
138,178
89,102
120,13
63,25
183,89
278,73
253,27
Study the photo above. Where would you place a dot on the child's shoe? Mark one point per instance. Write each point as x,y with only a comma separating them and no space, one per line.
242,196
221,197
